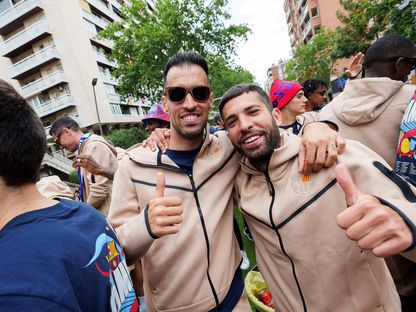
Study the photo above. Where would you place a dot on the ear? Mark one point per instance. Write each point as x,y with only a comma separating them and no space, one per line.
277,115
165,104
398,64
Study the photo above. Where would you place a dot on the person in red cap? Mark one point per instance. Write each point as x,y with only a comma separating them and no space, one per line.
289,98
156,118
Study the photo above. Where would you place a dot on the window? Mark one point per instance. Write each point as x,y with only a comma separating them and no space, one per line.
316,29
314,12
125,110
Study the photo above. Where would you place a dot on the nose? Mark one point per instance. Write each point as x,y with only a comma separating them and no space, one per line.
189,102
245,123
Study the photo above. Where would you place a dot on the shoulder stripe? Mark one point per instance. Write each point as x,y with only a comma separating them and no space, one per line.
166,186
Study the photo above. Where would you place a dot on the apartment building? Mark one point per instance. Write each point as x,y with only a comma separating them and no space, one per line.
49,50
276,71
305,17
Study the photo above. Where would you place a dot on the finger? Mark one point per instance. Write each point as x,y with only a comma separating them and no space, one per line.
391,247
163,204
340,144
168,230
310,155
301,159
320,158
160,185
331,155
347,184
349,216
169,220
144,143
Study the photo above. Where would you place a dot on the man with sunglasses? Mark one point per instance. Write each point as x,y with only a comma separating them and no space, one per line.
315,92
174,210
94,189
370,111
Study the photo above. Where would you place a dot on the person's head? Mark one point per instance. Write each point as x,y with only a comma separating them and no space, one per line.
156,118
66,133
187,96
288,96
22,139
391,56
251,120
315,92
218,121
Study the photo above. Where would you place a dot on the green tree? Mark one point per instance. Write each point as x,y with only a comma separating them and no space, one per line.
144,40
223,76
125,138
366,20
314,59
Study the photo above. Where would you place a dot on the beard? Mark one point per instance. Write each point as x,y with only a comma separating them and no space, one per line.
190,133
264,152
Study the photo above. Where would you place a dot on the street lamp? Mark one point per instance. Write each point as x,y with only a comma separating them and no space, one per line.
94,82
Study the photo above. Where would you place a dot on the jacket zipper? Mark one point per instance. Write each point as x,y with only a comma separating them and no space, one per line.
201,217
272,193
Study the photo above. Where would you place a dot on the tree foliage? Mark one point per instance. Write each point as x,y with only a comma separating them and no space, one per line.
363,21
144,40
125,138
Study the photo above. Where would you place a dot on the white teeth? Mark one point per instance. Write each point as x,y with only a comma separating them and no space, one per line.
190,117
251,139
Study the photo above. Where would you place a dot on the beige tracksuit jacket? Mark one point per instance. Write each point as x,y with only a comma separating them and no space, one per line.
370,111
192,269
97,189
306,259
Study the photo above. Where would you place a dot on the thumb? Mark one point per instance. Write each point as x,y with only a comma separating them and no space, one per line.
160,185
347,184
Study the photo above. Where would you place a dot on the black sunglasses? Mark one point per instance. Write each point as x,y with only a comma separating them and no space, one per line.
57,140
322,93
412,62
178,94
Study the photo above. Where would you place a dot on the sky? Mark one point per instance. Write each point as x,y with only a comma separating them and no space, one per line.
269,40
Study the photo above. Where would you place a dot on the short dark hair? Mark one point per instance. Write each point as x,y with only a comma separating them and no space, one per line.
181,58
64,122
22,139
310,85
386,48
239,89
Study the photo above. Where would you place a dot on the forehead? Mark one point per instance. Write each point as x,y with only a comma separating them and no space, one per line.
186,75
241,103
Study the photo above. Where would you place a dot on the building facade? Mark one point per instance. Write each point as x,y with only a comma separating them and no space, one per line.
305,17
50,52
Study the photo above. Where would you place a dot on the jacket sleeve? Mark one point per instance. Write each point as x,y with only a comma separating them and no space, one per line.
373,176
99,186
126,215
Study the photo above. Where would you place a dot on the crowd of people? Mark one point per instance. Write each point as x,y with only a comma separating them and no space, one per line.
326,191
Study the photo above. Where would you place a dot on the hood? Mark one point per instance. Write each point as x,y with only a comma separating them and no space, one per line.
363,100
53,187
95,138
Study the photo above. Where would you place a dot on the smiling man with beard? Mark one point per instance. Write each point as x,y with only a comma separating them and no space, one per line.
308,261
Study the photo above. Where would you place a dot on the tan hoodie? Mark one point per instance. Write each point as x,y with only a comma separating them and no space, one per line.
187,270
306,259
97,189
370,111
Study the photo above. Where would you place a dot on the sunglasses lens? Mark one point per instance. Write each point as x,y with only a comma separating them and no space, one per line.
322,93
201,94
176,94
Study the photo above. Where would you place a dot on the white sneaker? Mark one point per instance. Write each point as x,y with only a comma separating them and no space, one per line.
245,264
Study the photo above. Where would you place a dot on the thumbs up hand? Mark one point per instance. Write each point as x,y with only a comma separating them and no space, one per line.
374,226
164,213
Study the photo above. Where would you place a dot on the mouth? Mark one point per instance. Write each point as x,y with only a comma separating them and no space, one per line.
251,140
191,119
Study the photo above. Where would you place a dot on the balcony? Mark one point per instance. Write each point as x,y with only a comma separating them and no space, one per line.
306,32
94,19
305,15
11,18
54,105
100,6
103,59
115,99
43,84
299,4
109,79
23,40
31,63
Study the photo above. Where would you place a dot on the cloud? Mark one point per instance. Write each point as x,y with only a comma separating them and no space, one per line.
269,40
